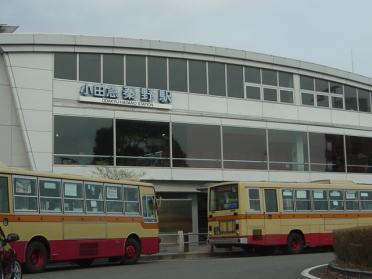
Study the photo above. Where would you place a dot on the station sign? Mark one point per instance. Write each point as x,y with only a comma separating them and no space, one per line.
126,96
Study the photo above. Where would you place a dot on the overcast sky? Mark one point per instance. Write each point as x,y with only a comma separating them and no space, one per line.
328,32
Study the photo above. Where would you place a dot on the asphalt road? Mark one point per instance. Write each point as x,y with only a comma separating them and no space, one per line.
230,267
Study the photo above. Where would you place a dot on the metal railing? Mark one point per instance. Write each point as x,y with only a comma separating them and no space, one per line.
181,242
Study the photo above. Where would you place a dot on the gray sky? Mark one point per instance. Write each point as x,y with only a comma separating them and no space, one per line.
320,31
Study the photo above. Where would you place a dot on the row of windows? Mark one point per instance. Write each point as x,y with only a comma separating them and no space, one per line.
312,200
182,75
204,77
47,195
323,93
91,141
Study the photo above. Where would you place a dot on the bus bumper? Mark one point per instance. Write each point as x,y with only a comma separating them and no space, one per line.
228,240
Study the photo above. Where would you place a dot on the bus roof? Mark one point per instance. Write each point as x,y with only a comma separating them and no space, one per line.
327,184
4,169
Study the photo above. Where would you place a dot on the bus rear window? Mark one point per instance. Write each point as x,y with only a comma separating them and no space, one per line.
224,197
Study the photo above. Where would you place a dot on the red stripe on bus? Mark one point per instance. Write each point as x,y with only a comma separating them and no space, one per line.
63,250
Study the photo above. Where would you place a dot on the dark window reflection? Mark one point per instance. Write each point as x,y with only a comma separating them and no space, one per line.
90,67
307,83
244,148
113,69
65,65
196,146
288,150
235,81
364,100
90,140
327,152
142,143
351,99
157,72
359,154
178,74
197,76
216,78
135,70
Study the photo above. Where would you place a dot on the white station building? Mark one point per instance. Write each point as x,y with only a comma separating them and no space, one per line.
183,115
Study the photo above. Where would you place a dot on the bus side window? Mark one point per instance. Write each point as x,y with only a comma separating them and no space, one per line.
4,195
271,202
288,201
25,194
254,200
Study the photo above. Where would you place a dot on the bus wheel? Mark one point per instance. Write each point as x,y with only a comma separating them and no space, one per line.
36,257
295,243
132,251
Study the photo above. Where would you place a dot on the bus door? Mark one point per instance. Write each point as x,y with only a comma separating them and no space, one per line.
5,203
271,216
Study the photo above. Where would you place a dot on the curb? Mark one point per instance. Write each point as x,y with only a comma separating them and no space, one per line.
176,256
349,272
306,272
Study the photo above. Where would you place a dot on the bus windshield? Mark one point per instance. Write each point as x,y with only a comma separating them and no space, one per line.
224,197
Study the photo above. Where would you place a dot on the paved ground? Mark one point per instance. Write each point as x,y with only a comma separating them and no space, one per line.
231,266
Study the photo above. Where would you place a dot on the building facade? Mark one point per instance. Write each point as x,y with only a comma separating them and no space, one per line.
181,115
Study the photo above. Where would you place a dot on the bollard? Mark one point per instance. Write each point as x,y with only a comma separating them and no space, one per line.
181,242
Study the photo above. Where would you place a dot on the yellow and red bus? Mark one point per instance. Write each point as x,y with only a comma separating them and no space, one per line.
295,215
63,217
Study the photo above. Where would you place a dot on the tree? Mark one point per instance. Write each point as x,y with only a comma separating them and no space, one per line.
117,173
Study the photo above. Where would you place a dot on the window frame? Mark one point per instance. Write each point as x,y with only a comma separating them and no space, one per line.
121,200
35,178
310,200
250,209
60,195
132,213
97,200
82,198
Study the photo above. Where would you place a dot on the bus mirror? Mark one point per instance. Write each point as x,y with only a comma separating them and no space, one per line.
5,222
158,201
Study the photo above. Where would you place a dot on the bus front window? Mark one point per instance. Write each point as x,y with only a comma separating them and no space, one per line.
4,204
224,197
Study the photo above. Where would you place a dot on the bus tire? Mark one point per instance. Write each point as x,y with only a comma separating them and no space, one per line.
36,257
295,243
132,251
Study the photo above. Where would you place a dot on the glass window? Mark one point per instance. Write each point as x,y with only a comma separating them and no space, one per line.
224,197
285,79
321,85
244,148
113,69
288,150
271,202
65,65
252,75
216,78
94,197
4,195
254,199
135,70
337,102
303,202
364,100
307,99
235,81
197,76
322,101
157,72
307,83
114,199
253,92
73,197
351,99
366,200
327,152
178,74
131,200
286,96
196,145
270,94
269,77
50,195
25,194
149,208
90,67
320,199
336,200
288,200
359,154
83,140
351,200
142,143
335,87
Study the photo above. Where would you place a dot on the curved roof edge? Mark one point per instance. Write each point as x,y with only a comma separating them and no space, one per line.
113,42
